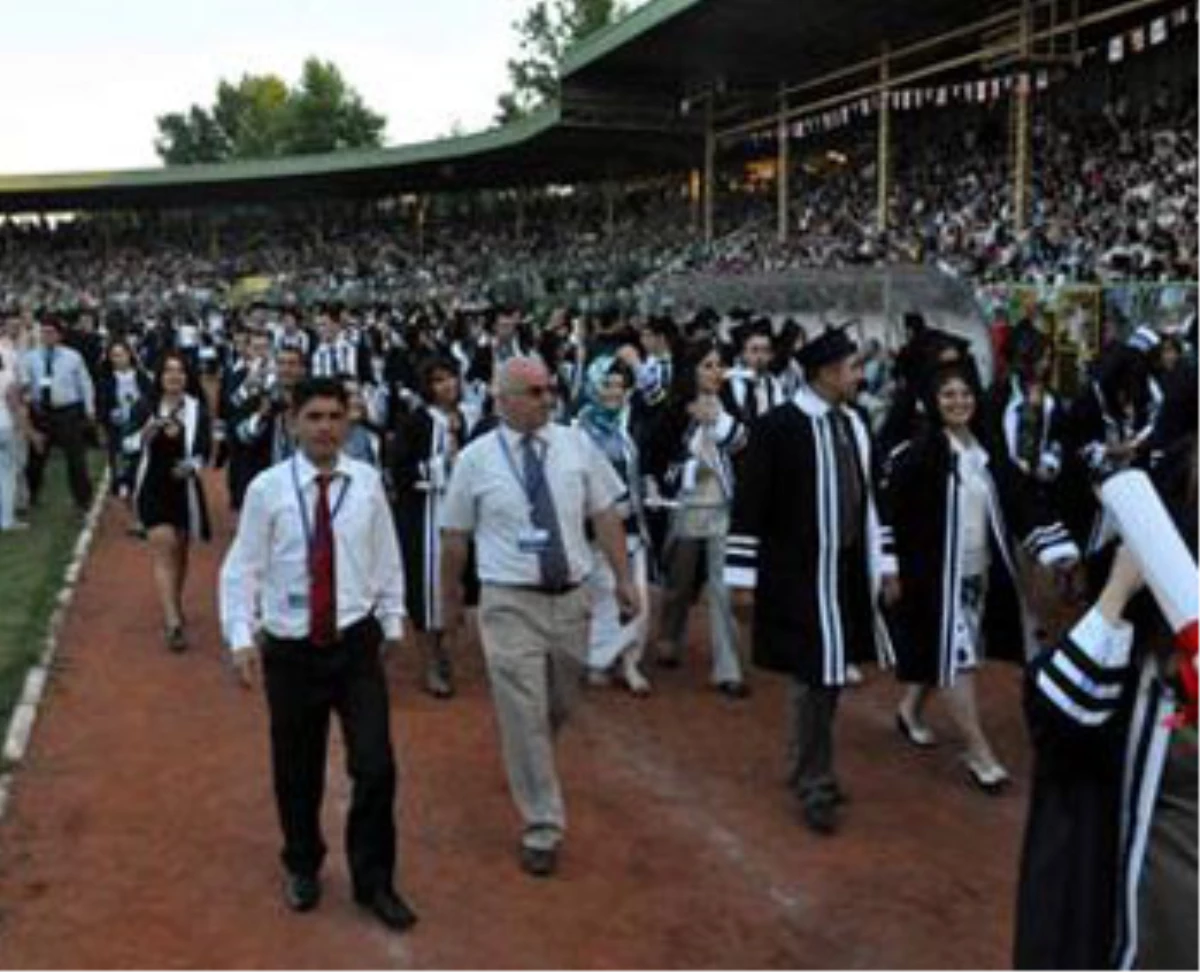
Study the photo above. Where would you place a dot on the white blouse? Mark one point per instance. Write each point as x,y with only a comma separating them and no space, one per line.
974,501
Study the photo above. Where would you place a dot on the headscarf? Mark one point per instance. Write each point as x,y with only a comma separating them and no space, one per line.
604,421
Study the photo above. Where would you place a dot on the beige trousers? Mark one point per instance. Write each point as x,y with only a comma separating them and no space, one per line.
535,646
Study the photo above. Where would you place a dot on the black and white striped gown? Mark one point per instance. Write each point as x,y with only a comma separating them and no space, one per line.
421,464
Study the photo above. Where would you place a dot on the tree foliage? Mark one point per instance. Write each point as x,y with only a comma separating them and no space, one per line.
260,117
546,32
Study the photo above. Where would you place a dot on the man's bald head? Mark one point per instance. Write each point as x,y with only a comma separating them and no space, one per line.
524,393
517,374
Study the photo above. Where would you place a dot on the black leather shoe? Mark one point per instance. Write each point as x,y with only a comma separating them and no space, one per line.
821,817
302,892
733,689
390,909
539,861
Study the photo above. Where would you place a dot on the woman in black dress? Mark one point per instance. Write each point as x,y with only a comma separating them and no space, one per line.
174,436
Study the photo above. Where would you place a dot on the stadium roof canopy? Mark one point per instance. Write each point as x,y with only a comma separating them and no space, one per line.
626,108
537,150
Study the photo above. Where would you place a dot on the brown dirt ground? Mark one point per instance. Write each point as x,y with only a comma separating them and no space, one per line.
142,831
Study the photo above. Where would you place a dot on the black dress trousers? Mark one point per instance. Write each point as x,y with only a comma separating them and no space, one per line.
305,685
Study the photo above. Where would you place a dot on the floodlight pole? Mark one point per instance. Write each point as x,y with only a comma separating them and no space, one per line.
782,169
710,158
1021,140
883,161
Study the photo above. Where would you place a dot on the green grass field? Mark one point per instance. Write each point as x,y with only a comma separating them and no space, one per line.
32,563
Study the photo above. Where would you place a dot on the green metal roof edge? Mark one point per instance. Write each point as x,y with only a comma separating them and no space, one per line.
350,160
606,40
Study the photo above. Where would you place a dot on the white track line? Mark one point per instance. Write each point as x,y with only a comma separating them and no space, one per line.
20,725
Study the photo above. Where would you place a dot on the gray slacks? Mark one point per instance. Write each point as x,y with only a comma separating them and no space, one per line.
535,646
682,560
810,741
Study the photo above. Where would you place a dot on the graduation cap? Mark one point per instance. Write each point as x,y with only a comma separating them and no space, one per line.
828,348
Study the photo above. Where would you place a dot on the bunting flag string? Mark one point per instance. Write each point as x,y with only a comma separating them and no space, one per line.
982,91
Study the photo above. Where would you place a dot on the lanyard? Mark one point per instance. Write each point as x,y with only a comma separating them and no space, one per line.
530,494
309,539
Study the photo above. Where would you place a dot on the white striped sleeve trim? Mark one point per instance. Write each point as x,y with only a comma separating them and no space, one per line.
1069,670
1073,691
1068,706
741,561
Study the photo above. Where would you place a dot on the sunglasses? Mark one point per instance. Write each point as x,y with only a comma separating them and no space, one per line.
541,391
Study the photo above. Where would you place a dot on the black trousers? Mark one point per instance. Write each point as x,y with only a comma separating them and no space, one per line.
304,685
65,428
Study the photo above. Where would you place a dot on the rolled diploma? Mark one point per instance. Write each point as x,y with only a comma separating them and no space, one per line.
1148,531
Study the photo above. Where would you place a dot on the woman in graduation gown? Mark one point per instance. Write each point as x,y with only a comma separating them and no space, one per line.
690,454
426,445
173,438
960,597
616,642
121,387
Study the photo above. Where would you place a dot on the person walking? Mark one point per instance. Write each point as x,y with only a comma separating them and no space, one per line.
316,559
821,561
172,439
525,490
690,455
427,444
121,387
944,499
64,403
14,424
616,643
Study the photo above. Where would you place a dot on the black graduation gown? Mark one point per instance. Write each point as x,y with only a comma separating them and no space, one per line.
110,412
806,622
920,503
420,473
158,497
1030,503
1097,769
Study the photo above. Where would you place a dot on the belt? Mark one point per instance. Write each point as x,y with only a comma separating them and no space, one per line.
349,633
539,588
65,408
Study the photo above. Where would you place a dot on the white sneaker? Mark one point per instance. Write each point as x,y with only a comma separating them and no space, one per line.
854,675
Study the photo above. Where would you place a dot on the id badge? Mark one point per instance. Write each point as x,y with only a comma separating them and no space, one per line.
533,540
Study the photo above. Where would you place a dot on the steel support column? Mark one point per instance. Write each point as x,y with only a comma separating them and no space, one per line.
883,160
783,171
710,160
1021,134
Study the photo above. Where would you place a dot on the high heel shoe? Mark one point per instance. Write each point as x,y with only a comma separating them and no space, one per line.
176,639
992,779
917,735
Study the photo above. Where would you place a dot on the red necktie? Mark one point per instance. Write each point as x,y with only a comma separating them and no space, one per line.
322,595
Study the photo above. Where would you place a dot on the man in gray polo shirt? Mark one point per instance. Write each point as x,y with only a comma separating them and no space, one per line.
525,491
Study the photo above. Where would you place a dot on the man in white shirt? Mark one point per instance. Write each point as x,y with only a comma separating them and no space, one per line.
524,490
315,571
64,400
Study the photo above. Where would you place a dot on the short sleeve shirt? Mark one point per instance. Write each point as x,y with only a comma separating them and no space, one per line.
486,496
